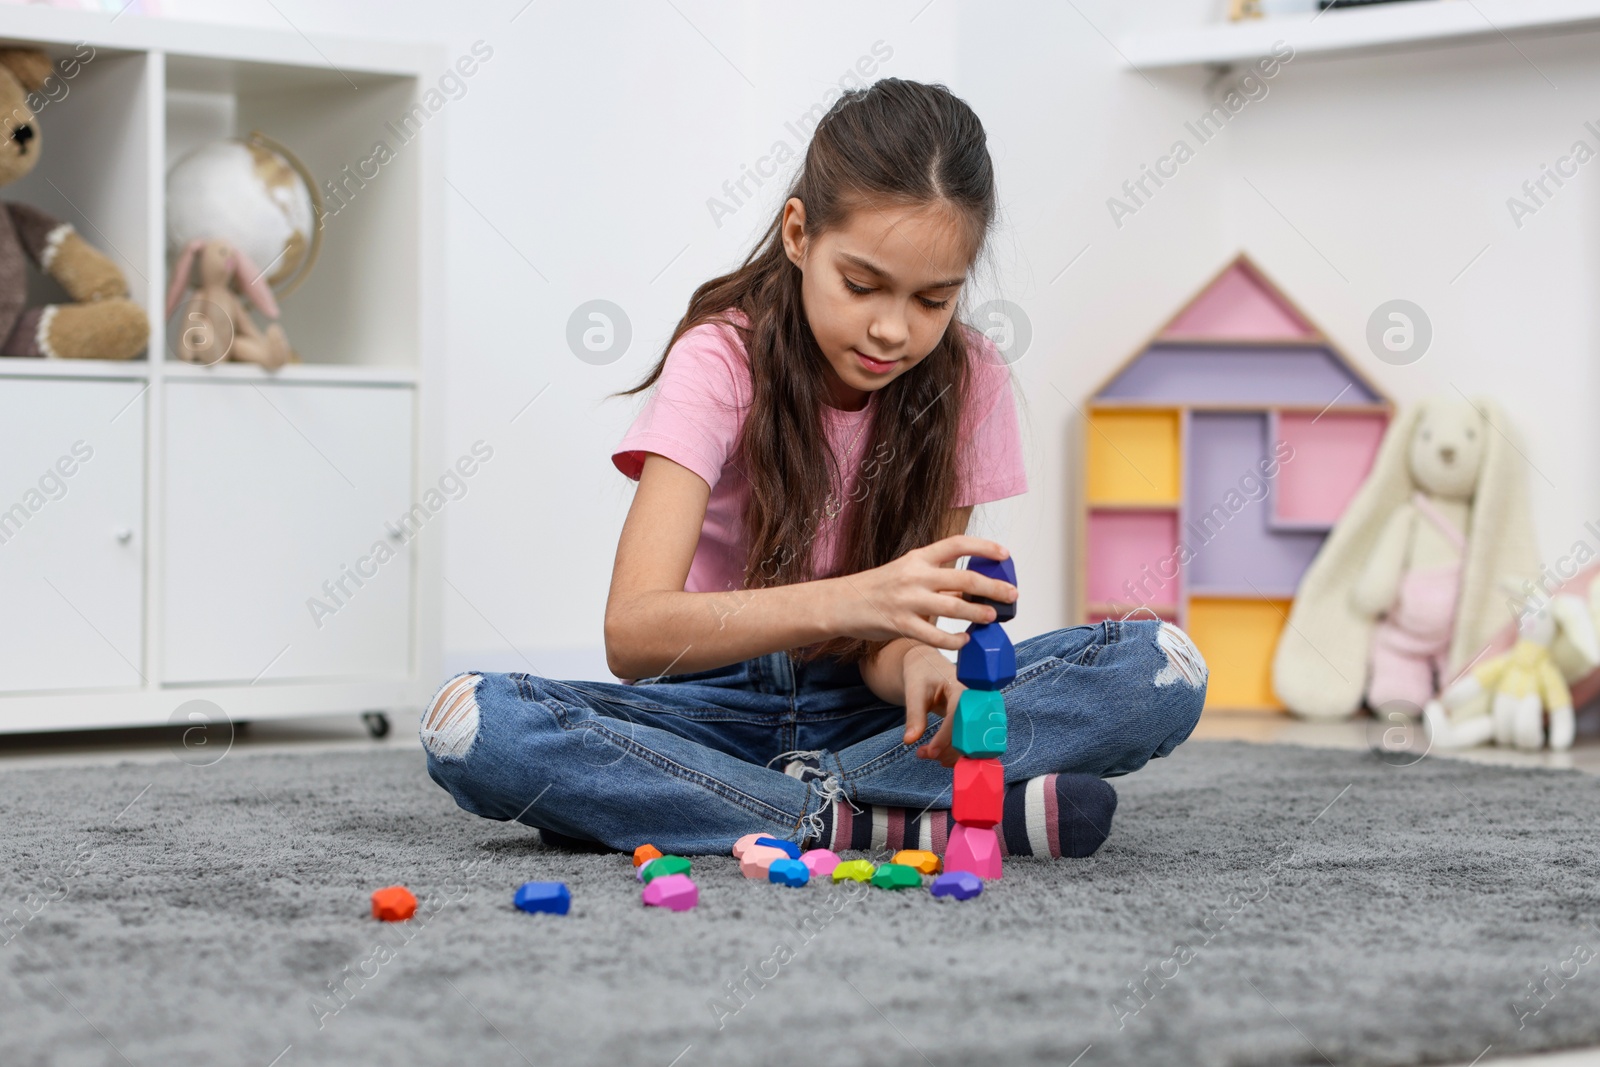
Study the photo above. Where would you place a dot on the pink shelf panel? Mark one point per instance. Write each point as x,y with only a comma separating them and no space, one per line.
1333,453
1121,545
1239,306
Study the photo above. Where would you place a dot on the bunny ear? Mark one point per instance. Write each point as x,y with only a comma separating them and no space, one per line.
252,284
180,274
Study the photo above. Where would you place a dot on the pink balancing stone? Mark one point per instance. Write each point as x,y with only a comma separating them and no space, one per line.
820,862
973,848
673,891
743,843
757,859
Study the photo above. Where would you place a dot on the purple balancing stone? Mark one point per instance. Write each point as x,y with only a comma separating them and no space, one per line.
963,885
674,891
820,862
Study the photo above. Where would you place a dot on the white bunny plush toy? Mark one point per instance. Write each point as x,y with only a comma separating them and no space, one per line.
1404,593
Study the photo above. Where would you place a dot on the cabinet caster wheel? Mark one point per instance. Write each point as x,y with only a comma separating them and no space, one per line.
376,722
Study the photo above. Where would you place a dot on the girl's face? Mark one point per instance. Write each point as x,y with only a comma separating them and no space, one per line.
878,291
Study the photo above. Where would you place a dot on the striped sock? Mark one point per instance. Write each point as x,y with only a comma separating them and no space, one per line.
1052,815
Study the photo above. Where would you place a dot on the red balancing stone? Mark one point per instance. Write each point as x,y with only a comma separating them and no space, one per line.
980,792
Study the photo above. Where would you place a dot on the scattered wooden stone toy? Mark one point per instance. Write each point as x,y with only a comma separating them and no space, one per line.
896,876
644,854
854,870
672,891
758,859
962,885
550,898
393,904
661,866
744,843
820,861
924,861
789,848
788,872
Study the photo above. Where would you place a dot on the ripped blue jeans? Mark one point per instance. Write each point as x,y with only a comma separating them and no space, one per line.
685,762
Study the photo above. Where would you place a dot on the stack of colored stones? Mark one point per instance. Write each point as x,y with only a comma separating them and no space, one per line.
985,665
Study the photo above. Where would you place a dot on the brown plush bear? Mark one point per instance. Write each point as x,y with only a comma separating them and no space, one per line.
101,323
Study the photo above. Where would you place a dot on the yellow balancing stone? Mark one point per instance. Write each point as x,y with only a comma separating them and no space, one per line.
925,862
854,870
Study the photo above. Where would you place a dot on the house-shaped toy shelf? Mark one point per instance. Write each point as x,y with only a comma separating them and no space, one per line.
1216,459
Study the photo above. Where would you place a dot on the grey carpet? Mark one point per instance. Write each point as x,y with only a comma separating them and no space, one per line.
202,924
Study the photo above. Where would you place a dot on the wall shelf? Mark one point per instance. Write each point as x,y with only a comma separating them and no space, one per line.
1194,504
322,373
1401,27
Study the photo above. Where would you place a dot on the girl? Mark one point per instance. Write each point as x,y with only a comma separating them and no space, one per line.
819,432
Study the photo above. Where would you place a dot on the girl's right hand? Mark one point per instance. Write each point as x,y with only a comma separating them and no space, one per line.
898,598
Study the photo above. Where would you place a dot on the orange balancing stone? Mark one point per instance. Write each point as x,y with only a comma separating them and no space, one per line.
644,853
393,904
925,862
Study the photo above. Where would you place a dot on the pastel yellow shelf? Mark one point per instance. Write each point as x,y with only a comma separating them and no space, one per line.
1133,457
1237,637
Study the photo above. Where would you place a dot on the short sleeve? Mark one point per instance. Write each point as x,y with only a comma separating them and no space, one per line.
696,407
992,467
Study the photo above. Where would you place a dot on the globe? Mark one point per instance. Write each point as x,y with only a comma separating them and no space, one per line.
251,193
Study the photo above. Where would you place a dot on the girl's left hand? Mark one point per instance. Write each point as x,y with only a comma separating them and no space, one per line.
930,686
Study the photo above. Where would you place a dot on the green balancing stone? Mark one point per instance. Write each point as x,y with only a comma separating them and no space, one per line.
897,876
664,865
980,730
854,870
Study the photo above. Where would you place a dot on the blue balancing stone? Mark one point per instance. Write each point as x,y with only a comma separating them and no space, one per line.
963,885
553,898
987,660
788,848
1001,570
788,872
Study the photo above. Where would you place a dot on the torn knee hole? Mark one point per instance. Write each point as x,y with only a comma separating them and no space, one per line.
450,724
1183,659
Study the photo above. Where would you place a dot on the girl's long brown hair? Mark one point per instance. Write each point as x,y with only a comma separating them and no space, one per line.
897,142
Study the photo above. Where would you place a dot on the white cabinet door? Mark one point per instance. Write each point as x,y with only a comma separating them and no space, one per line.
284,556
71,534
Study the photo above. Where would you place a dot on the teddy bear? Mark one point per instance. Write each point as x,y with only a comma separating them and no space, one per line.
1405,591
99,322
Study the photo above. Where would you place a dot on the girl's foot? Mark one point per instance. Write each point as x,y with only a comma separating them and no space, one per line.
1052,815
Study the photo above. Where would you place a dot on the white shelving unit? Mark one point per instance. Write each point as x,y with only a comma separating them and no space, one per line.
180,560
1333,34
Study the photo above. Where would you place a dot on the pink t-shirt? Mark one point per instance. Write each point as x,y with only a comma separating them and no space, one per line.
698,404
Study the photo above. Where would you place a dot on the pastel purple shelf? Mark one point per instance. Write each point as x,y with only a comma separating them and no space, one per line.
1227,527
1250,376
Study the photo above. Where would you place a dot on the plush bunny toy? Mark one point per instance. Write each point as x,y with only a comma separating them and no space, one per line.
1405,592
215,324
99,322
1522,685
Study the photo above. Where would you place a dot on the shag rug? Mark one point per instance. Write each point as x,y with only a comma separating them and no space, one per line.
1254,905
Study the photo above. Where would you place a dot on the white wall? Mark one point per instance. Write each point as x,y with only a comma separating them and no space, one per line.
586,149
